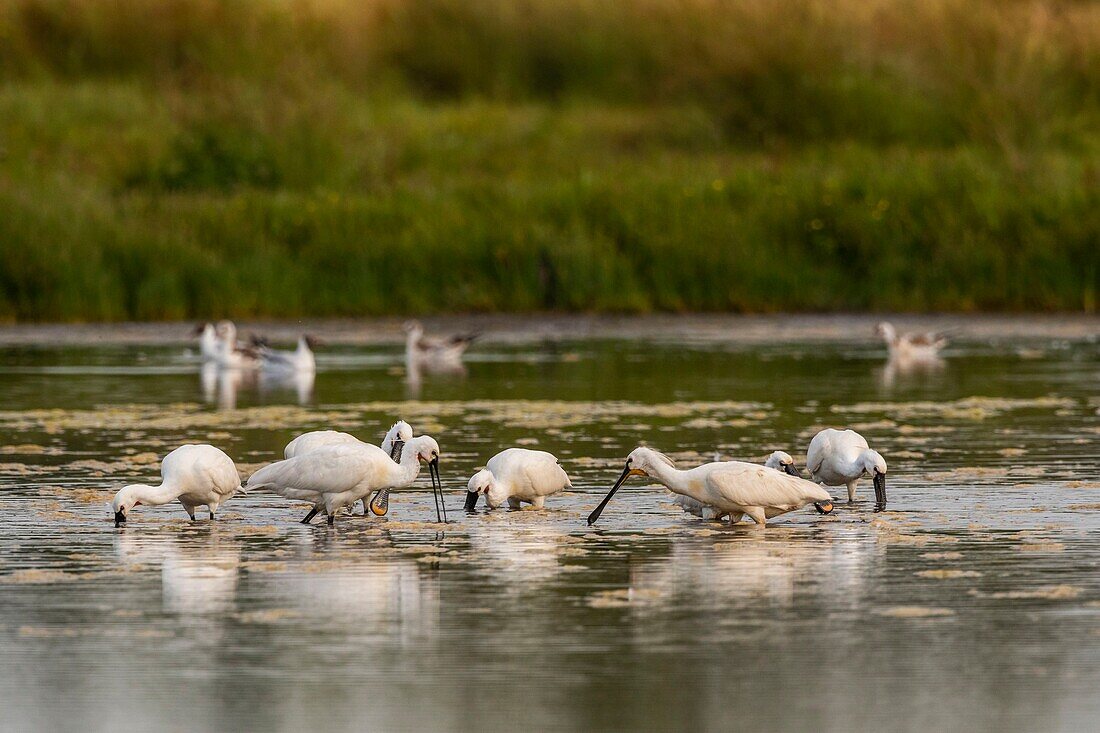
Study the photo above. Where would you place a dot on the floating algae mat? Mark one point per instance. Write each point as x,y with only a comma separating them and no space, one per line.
973,601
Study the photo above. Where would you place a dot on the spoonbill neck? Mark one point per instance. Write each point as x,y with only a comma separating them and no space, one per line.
674,480
409,468
153,495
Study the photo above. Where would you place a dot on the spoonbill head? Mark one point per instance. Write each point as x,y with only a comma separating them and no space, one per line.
401,432
642,461
481,483
782,461
126,499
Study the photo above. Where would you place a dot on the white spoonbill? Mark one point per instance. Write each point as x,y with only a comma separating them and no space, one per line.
517,475
841,458
208,341
731,487
335,476
396,437
911,346
230,354
194,475
299,360
779,460
440,351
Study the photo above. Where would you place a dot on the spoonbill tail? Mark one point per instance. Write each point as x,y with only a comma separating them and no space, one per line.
779,460
338,475
421,349
398,434
194,475
517,475
912,346
841,458
731,487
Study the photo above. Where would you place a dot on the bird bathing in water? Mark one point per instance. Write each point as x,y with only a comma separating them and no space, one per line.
910,346
517,475
842,458
731,487
193,475
778,460
433,351
334,476
393,442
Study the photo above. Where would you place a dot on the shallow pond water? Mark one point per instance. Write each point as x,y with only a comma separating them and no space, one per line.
973,602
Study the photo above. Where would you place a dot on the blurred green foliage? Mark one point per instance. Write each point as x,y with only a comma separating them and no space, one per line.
200,158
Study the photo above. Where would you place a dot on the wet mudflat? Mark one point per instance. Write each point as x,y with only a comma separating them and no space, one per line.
973,602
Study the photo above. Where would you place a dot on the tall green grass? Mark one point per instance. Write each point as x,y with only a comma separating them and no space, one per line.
179,158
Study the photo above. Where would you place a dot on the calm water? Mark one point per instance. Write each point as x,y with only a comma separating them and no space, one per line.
973,603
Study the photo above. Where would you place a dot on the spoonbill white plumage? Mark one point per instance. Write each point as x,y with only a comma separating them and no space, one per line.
841,458
778,460
912,346
194,475
517,475
299,360
398,434
732,487
335,476
421,349
231,355
208,341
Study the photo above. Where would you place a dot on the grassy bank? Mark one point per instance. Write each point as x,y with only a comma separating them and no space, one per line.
185,158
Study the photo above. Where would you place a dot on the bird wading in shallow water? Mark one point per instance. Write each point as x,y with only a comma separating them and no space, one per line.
778,460
517,475
841,458
335,476
193,475
398,434
731,487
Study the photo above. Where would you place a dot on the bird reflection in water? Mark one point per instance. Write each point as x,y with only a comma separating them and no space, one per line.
222,386
198,575
902,369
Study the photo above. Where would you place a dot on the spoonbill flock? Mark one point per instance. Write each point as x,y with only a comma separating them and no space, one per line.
332,470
